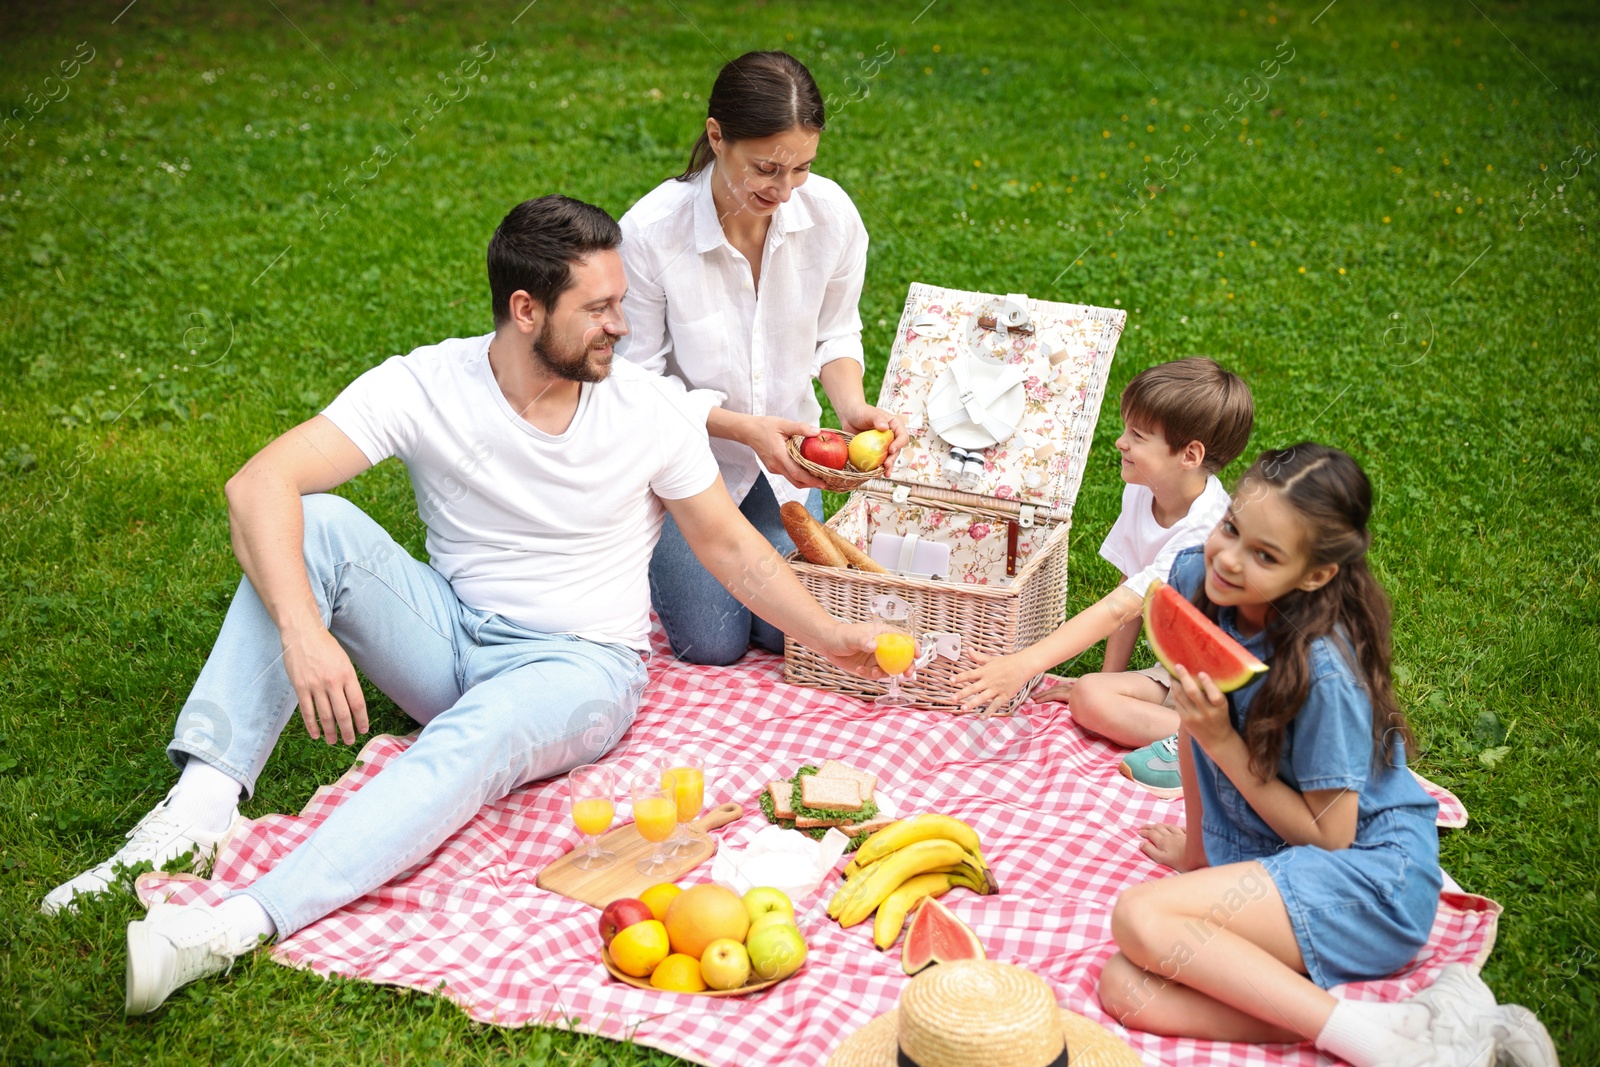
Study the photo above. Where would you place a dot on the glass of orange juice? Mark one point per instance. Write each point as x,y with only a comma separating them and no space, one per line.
592,790
683,778
655,814
897,648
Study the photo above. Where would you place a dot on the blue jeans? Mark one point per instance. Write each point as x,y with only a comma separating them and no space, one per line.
704,623
499,705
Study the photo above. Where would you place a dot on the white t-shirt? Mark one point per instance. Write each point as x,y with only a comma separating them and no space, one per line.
553,532
695,314
1142,548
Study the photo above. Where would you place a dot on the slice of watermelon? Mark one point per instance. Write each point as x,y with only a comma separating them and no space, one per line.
1179,632
937,936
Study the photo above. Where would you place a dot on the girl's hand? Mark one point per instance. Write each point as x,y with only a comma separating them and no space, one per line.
1054,687
993,682
1166,844
1202,708
867,417
768,436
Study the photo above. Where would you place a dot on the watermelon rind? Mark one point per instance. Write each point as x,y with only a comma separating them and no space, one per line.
1230,664
937,936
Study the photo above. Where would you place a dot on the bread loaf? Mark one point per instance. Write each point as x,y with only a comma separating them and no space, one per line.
853,555
809,536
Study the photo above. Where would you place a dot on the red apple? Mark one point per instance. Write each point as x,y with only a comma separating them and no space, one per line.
621,914
826,449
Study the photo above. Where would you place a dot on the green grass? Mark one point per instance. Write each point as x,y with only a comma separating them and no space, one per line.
172,300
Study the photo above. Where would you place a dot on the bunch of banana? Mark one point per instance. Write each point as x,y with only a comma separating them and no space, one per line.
898,866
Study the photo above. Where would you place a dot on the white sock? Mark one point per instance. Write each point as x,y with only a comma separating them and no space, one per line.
1407,1020
1360,1036
248,918
206,795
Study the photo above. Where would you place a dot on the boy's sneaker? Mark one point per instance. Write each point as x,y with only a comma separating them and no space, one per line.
159,837
1155,766
171,947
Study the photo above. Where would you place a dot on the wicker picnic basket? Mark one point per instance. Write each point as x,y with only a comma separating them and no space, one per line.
1007,526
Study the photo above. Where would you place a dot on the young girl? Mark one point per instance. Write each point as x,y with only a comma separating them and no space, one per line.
1311,854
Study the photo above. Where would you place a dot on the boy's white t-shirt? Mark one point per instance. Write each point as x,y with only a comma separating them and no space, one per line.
1142,548
551,531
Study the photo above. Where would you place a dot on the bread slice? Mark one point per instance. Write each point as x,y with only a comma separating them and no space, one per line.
834,769
782,794
830,794
871,826
805,822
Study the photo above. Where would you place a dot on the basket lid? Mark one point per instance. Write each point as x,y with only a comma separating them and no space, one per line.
1037,371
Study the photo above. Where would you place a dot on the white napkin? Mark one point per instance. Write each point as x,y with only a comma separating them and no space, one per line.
784,859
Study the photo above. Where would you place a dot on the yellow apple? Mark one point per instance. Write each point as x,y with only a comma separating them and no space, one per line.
770,918
868,449
725,965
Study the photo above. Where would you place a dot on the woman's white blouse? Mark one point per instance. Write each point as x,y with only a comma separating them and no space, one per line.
695,316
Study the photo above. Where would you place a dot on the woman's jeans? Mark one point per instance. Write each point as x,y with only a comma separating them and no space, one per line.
499,705
704,623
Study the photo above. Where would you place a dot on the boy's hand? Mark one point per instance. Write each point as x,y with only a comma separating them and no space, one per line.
1202,708
993,682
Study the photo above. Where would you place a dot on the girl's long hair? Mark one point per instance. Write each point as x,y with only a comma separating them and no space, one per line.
1332,496
758,95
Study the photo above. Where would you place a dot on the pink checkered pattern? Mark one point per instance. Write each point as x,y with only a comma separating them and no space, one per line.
1057,821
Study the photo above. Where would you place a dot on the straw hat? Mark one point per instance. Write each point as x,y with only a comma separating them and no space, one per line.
972,1012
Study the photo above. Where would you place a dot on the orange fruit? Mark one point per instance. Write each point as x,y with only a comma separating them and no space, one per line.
678,973
640,948
702,914
657,897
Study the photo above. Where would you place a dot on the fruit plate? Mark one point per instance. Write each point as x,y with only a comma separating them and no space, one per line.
644,983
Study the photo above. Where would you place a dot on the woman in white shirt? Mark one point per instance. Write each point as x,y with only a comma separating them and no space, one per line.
744,275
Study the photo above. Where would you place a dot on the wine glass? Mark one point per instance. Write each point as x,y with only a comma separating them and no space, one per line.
683,778
896,649
592,790
655,814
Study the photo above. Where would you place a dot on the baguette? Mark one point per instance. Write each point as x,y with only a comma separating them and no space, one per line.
853,555
830,794
810,537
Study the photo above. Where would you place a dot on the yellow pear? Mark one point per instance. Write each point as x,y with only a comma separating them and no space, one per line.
868,449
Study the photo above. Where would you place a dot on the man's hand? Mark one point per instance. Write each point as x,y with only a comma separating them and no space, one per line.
993,682
768,436
851,647
324,680
1202,708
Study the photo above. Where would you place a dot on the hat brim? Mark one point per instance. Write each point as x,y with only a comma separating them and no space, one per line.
1088,1044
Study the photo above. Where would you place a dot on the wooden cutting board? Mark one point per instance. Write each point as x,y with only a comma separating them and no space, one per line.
622,878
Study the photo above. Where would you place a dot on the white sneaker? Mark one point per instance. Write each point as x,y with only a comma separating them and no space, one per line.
1461,1006
159,836
1521,1039
171,947
1443,1054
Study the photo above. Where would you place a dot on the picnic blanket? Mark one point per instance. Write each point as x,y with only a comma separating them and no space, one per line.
1057,821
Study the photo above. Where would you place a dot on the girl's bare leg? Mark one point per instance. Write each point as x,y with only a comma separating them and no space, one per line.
1221,956
1123,708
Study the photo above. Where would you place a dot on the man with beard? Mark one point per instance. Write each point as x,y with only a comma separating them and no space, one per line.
542,473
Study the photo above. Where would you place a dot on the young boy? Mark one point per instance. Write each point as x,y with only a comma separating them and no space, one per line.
1182,423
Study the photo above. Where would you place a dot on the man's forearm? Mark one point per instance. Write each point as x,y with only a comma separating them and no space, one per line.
267,527
751,569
